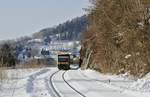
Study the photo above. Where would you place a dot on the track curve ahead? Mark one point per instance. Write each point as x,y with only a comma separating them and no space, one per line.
61,87
52,85
63,76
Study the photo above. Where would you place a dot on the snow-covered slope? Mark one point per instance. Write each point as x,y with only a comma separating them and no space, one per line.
142,84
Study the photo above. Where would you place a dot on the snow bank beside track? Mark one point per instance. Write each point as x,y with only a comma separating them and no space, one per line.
128,85
142,84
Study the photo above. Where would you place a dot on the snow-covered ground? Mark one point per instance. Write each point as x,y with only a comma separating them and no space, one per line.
124,83
26,83
72,83
142,84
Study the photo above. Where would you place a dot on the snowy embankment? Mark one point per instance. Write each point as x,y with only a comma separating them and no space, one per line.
93,87
122,81
142,84
26,83
107,85
127,84
16,80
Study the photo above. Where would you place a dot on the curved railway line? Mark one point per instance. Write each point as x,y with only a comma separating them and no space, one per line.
63,76
52,85
57,94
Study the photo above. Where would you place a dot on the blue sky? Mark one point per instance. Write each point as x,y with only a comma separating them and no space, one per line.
24,17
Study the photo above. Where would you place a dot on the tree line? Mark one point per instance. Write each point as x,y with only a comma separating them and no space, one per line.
7,55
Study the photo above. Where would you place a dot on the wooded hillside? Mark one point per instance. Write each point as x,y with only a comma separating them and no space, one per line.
118,38
70,30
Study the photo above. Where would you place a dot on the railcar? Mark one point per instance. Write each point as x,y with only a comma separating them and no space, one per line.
64,62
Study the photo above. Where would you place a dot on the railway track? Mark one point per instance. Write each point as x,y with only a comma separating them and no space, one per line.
52,85
63,76
57,94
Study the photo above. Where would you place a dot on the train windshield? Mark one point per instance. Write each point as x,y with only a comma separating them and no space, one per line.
63,58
